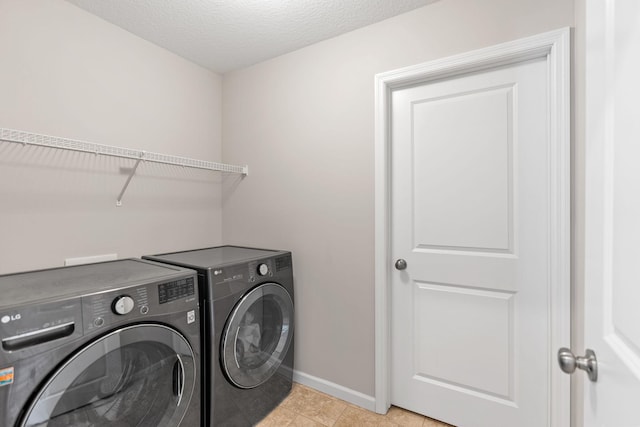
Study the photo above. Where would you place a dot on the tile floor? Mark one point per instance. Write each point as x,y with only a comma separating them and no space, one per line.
306,407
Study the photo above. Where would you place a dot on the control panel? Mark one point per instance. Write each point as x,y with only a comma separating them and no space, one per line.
33,328
138,302
230,279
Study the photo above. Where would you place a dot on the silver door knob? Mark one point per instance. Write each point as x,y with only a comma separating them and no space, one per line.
588,363
401,264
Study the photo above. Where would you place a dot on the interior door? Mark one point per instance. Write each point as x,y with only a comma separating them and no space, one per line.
470,228
612,317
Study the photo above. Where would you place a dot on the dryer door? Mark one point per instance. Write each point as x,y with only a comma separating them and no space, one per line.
257,335
141,375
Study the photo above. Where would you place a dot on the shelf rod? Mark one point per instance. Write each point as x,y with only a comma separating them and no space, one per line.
27,138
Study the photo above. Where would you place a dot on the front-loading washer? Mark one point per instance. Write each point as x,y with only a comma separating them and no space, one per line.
106,344
247,298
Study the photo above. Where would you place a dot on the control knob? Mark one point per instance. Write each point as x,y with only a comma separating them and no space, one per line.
263,269
123,305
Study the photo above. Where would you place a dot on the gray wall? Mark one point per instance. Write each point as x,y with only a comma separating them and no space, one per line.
304,122
64,72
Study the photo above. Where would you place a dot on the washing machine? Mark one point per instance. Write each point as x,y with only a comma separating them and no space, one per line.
247,297
107,344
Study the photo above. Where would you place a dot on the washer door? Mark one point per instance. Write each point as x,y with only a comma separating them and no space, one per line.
257,335
141,375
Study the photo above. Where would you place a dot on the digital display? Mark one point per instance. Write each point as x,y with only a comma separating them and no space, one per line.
172,291
283,262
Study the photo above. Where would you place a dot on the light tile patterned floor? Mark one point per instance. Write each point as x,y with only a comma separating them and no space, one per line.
306,407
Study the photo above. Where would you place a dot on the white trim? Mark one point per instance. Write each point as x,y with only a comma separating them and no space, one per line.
555,47
335,390
381,251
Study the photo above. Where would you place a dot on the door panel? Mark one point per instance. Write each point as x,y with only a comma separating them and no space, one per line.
442,353
471,215
612,318
137,375
462,195
257,335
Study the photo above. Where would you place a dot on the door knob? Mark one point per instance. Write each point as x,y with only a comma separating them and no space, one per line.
401,264
588,363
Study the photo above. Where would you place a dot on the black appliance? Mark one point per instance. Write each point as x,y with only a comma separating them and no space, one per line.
106,344
248,322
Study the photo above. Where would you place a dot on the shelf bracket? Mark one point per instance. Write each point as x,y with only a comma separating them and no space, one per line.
126,184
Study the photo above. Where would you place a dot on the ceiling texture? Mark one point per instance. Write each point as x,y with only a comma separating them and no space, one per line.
226,35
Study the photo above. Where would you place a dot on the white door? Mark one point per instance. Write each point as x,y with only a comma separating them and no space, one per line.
612,275
472,214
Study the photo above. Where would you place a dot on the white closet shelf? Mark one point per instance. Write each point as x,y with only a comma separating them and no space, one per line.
28,138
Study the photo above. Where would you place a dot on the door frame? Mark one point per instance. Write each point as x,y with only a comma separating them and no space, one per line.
555,48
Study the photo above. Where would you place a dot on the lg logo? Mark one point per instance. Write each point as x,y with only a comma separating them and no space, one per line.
7,319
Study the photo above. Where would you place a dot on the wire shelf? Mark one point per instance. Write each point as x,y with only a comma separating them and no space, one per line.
27,138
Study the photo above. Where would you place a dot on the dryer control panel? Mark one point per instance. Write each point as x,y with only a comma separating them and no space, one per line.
228,280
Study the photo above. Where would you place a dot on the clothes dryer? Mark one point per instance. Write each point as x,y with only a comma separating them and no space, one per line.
107,344
247,297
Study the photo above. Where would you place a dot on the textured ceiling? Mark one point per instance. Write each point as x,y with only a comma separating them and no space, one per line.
224,35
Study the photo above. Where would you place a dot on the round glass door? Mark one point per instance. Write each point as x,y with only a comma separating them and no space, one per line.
257,335
141,375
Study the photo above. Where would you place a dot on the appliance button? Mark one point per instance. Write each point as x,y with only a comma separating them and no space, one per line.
123,305
263,269
144,309
98,321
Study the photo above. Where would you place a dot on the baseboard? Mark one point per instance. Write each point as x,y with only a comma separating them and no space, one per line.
335,390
